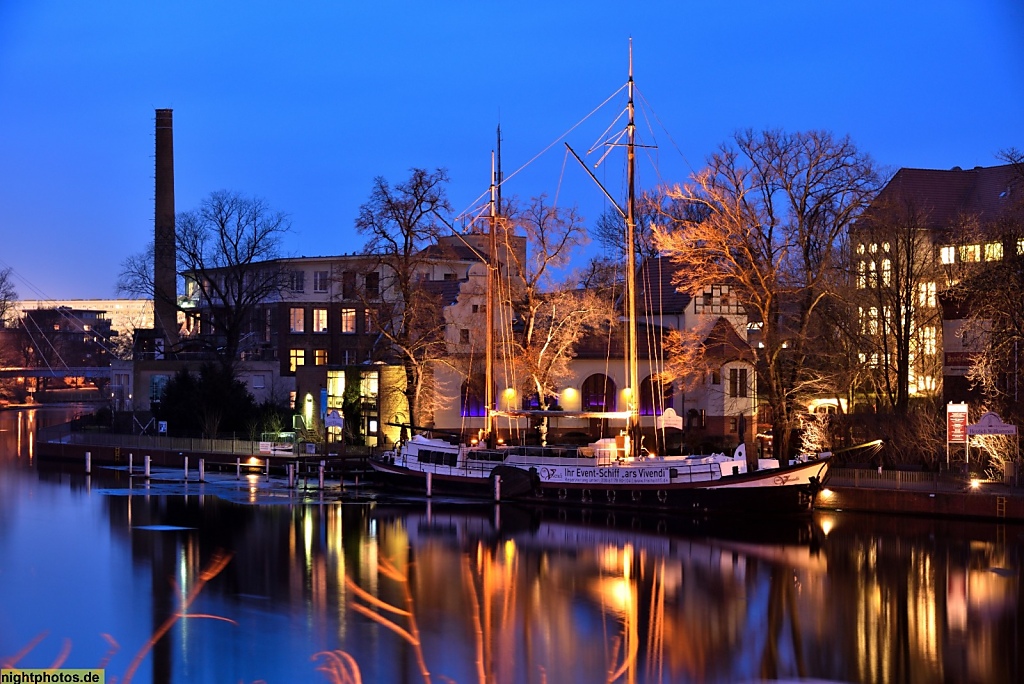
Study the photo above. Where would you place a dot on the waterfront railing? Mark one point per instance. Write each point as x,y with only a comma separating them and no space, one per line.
895,479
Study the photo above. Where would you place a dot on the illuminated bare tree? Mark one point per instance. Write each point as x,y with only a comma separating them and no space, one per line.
550,316
896,279
400,222
776,205
992,295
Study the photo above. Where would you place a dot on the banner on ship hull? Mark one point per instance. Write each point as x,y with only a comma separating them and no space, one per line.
605,475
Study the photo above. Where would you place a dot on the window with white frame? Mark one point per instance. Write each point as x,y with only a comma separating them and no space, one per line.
297,319
372,284
993,251
348,321
926,295
970,253
321,281
737,382
947,254
297,281
929,340
320,320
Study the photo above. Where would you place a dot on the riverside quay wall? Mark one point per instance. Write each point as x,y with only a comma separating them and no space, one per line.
992,501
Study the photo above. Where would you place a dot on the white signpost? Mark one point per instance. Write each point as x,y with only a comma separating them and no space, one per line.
956,426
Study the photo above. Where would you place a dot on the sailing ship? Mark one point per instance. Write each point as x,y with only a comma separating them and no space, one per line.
613,471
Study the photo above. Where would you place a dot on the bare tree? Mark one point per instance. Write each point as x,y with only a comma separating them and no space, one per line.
8,294
992,297
551,316
226,251
776,205
654,208
895,284
400,222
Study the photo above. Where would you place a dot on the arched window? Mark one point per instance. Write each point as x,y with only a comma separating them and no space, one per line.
473,399
598,393
654,396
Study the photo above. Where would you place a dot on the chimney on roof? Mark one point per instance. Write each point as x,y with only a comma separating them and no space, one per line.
165,275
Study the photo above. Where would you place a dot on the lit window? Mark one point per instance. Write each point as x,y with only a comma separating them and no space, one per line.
993,251
321,357
872,275
947,254
297,319
348,321
874,247
1020,245
862,279
296,358
319,320
928,339
926,294
860,248
885,246
970,253
321,280
886,272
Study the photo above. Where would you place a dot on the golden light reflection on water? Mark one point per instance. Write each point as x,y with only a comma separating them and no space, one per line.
554,601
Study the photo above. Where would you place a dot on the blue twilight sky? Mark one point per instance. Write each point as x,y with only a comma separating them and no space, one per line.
304,103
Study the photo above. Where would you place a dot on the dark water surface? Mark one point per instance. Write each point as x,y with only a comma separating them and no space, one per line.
93,569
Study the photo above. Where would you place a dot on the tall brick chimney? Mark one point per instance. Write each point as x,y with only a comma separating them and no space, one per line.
165,278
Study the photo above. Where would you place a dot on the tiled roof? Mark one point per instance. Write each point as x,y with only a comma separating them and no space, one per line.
989,193
449,251
605,344
655,291
447,290
723,343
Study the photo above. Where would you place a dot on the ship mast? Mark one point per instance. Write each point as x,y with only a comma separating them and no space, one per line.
492,286
633,423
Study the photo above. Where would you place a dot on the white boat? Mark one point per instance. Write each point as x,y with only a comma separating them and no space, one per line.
610,472
603,475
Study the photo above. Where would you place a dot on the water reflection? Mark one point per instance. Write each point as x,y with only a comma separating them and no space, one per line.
409,590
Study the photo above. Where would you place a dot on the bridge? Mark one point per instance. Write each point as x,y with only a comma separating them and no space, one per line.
97,372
